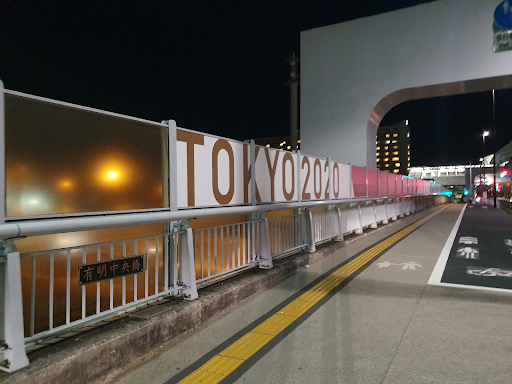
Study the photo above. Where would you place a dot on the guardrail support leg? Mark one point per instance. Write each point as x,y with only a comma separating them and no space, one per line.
265,255
341,229
12,336
395,215
359,229
407,203
310,235
386,219
187,260
374,224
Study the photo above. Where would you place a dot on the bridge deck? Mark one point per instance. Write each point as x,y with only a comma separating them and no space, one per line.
364,314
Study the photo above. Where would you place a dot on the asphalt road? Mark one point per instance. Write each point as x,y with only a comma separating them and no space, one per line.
481,254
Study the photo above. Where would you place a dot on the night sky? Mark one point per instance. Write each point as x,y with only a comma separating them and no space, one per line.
213,66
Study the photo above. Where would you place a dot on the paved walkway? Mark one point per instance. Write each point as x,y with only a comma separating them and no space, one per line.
362,315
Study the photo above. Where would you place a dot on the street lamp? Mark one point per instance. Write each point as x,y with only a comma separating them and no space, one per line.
482,159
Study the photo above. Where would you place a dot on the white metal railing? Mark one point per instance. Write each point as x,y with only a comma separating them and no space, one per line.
287,234
174,263
62,304
223,250
326,225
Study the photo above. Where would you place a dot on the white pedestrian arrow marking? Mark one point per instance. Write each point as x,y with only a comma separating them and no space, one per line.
409,265
468,253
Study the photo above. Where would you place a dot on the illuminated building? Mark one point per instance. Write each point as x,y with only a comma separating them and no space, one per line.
394,148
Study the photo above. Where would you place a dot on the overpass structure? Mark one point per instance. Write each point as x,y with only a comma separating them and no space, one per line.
353,73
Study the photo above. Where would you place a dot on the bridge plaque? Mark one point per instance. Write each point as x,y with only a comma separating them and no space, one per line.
93,273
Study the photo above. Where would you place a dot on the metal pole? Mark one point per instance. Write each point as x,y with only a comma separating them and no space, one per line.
494,157
2,155
293,101
173,167
471,179
252,157
366,181
330,178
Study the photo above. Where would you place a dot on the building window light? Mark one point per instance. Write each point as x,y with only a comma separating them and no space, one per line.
386,153
377,142
387,135
395,134
387,141
409,146
298,141
386,159
394,141
408,134
378,148
395,146
268,145
386,147
378,153
396,170
289,147
408,152
409,158
281,144
395,153
395,159
378,160
397,165
408,164
387,165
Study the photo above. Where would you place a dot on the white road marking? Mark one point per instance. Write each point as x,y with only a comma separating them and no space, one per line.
437,273
410,265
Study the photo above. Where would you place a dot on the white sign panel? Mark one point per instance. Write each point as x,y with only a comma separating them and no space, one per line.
314,178
276,175
210,171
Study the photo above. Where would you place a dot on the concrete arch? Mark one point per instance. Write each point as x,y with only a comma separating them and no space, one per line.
353,73
437,90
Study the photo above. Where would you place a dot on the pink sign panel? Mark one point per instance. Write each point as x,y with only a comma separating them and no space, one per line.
359,181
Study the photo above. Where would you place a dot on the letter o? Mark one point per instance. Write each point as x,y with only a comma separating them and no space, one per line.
288,196
218,146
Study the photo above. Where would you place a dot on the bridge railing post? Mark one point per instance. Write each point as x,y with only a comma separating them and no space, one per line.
310,231
374,224
359,229
12,336
263,233
341,228
187,260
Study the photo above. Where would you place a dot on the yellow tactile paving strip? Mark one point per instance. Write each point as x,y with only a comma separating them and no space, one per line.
220,366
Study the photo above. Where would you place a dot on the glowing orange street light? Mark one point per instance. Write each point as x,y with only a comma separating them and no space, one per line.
112,175
66,184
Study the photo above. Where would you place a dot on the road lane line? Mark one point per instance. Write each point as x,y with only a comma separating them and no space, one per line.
437,273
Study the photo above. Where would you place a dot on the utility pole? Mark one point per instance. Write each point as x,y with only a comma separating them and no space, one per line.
294,80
